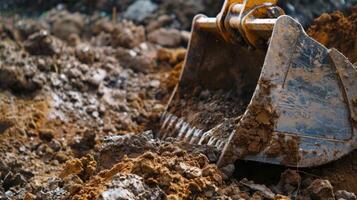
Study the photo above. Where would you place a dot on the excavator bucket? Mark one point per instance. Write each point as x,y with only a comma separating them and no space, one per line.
292,104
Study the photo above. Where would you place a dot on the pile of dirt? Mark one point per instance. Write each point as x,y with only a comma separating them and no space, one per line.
76,90
178,175
337,30
168,171
61,93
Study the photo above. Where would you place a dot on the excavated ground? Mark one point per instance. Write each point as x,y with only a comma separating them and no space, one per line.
81,96
338,31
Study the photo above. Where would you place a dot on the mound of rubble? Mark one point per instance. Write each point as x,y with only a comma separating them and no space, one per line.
165,170
80,101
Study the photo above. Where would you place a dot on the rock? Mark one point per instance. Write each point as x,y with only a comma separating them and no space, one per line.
140,10
14,79
262,189
66,24
142,64
291,177
61,157
138,63
171,56
96,77
74,73
185,37
11,180
29,196
43,65
85,54
130,186
102,25
73,40
85,143
27,27
281,197
321,190
344,195
55,145
4,169
46,135
127,35
204,94
165,37
5,124
44,151
42,43
9,195
228,170
160,22
289,181
189,171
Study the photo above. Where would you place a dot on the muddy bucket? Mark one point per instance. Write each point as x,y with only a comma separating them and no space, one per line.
293,104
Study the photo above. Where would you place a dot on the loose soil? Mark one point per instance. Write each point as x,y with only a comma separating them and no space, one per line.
338,31
79,111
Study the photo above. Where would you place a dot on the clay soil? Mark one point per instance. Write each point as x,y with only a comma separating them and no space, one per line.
338,31
80,101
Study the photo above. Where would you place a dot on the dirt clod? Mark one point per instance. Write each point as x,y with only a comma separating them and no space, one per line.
342,194
46,135
128,35
64,24
321,189
129,186
42,43
337,30
85,54
165,37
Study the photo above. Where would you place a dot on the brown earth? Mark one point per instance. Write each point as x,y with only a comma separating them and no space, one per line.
74,108
338,31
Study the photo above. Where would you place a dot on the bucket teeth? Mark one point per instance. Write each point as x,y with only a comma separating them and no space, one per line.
183,129
189,134
204,137
178,128
196,136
